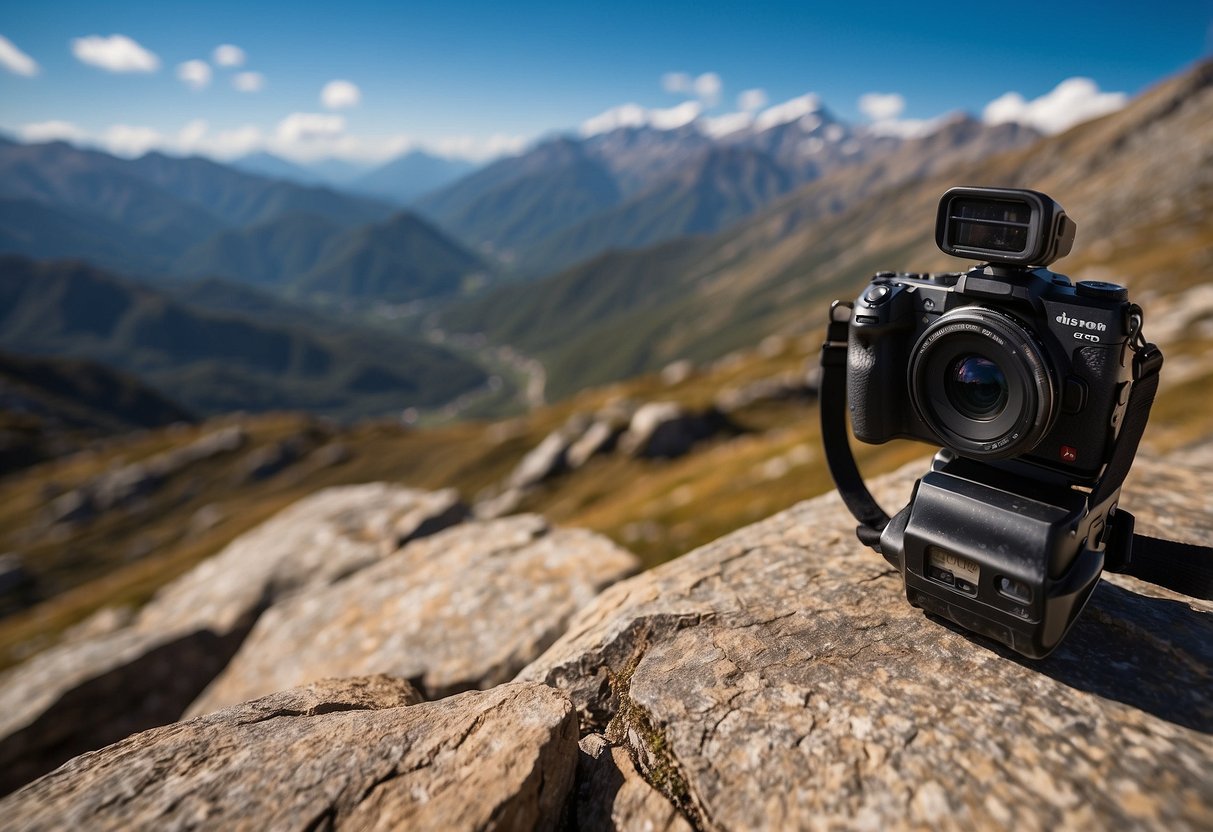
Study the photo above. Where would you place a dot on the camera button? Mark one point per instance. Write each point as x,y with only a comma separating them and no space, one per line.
876,295
1074,396
1102,290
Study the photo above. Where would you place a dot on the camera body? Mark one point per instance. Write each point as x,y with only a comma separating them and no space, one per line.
1024,379
1062,350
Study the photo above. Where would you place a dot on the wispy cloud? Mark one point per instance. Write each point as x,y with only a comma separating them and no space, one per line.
49,131
705,87
195,74
248,81
303,127
338,95
16,61
227,55
885,109
116,53
1072,101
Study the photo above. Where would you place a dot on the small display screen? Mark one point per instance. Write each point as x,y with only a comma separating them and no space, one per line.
953,570
989,224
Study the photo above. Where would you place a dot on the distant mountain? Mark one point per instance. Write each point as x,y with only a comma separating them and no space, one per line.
407,177
267,164
216,362
138,215
275,253
516,203
401,259
52,406
570,198
721,186
1126,178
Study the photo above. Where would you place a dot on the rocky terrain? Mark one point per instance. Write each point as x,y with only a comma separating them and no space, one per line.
775,678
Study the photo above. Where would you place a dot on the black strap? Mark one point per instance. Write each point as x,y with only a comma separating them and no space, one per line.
1182,567
832,399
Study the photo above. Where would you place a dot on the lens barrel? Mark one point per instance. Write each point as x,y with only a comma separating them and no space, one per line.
981,382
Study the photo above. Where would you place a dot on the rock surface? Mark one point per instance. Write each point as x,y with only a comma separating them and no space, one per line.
91,691
777,678
464,609
611,794
339,754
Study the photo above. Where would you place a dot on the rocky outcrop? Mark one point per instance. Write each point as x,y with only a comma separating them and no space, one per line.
787,386
123,487
90,691
667,429
777,678
464,609
340,754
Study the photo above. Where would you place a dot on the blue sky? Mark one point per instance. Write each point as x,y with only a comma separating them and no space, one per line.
475,78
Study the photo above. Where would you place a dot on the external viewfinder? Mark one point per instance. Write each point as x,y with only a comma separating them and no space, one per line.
1002,225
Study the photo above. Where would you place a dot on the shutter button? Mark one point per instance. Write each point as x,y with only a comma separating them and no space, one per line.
876,295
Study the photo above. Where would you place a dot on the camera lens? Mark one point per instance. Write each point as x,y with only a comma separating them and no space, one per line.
980,381
977,387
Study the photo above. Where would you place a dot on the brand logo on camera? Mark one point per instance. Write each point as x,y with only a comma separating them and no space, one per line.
1096,326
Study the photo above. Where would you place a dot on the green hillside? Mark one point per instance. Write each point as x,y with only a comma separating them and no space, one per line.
214,361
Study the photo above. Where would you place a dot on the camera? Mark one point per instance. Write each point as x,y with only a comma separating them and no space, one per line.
1027,381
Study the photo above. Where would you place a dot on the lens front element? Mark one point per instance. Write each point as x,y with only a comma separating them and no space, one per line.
981,383
977,387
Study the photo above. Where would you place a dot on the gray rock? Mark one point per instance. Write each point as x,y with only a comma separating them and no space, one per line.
87,692
464,609
341,754
548,458
666,429
603,434
777,678
788,386
611,794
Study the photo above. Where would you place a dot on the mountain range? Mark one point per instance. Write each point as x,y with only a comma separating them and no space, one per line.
1131,180
571,198
399,180
161,217
258,354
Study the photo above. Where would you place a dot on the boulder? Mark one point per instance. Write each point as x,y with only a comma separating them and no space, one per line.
666,429
787,386
777,678
464,609
603,433
338,754
87,692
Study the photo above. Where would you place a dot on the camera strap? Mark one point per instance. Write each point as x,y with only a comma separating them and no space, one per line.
1182,567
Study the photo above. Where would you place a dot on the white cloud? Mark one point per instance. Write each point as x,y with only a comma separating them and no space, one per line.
16,61
677,82
49,131
195,74
633,115
751,100
248,81
337,95
910,128
707,87
1072,101
789,111
304,127
881,106
130,140
116,53
227,55
302,137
